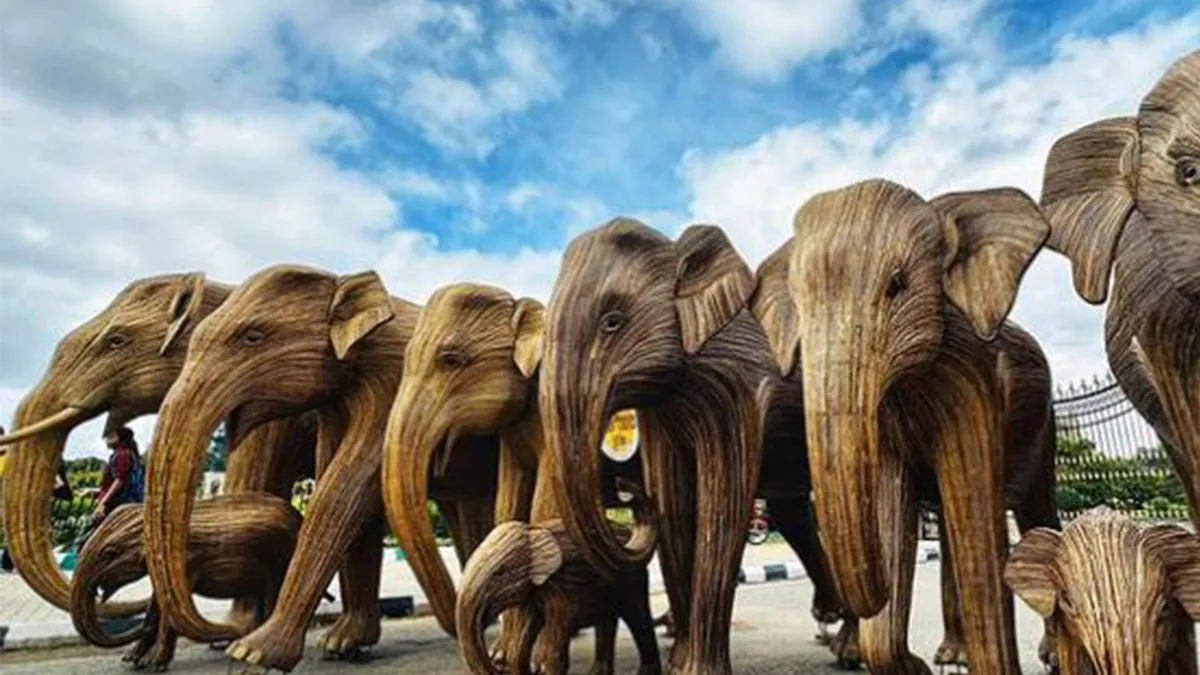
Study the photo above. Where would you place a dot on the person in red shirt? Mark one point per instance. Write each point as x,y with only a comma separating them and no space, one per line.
121,474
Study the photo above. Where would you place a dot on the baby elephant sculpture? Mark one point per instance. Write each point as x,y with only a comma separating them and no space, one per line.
537,570
1121,598
238,546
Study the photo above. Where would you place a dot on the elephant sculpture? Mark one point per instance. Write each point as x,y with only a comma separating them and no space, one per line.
772,304
458,430
639,321
1123,199
238,546
1124,599
289,339
538,570
465,428
916,388
121,362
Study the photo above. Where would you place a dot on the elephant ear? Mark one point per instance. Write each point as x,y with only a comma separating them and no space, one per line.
1031,570
1087,195
773,306
712,284
1180,553
991,237
528,329
545,555
184,308
360,304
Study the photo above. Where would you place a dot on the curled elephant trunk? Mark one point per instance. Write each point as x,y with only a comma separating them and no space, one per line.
511,562
841,401
575,425
101,565
42,427
186,421
412,442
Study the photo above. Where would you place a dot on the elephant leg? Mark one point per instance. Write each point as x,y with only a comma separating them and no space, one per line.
473,520
348,495
358,625
795,520
953,650
163,652
605,639
136,655
970,480
635,611
844,645
265,461
883,638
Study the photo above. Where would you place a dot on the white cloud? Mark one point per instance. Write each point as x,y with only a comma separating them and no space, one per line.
765,38
968,129
521,195
149,138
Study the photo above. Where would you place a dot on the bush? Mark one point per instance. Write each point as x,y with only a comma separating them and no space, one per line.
1141,483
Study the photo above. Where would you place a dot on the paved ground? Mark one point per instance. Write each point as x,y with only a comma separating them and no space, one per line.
773,634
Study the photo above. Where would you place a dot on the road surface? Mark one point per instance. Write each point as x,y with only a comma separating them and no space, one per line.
773,634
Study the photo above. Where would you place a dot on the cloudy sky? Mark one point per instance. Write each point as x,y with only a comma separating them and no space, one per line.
437,142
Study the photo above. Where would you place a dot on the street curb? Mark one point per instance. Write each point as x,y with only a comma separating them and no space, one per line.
760,574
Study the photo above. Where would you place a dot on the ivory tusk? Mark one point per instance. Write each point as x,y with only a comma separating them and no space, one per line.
58,419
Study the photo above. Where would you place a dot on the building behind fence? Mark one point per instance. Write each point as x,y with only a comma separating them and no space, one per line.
1109,455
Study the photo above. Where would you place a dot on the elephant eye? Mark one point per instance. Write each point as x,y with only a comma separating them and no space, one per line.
896,284
453,358
1187,172
251,337
116,340
612,322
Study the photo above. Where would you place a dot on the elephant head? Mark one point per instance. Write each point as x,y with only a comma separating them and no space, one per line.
1123,597
876,276
1147,168
629,309
121,362
287,340
468,371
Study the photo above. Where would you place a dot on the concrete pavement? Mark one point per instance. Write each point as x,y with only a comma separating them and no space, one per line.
772,635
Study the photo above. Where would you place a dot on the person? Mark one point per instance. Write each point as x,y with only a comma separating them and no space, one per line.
123,476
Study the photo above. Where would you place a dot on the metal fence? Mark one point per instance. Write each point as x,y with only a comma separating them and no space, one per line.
1108,455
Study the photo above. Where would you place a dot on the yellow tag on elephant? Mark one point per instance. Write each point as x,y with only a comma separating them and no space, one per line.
621,439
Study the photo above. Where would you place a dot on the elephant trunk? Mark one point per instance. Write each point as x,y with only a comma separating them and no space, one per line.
502,574
574,423
186,422
412,441
110,558
42,426
842,393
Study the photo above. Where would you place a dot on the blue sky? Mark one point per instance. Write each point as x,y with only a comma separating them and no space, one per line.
441,141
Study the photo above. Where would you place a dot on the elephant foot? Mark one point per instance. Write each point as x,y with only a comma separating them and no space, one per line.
268,648
601,668
649,669
158,658
348,637
844,646
135,656
953,652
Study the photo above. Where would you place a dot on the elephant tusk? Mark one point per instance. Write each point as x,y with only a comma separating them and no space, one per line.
58,419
